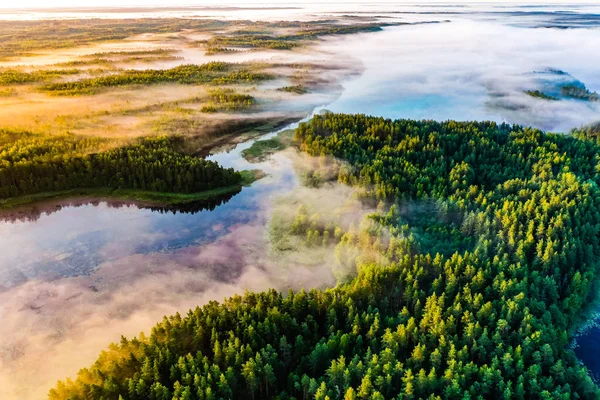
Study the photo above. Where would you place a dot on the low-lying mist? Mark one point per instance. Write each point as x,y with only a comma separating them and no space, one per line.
469,70
67,320
126,268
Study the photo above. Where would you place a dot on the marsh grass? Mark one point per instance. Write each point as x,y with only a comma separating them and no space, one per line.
212,73
126,57
156,198
119,60
24,38
579,93
261,149
540,95
8,92
133,53
212,50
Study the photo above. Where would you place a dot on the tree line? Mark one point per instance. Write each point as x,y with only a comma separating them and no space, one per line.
227,100
308,31
32,164
18,77
489,318
215,72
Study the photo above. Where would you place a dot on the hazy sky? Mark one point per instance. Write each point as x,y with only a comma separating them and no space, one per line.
96,3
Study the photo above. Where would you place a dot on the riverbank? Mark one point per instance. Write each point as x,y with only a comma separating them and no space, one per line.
261,149
139,197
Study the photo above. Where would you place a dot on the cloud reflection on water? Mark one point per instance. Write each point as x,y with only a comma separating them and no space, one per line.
67,321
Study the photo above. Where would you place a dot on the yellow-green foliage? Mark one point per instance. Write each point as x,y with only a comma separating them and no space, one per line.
27,37
212,50
209,73
17,77
227,100
297,89
489,253
31,163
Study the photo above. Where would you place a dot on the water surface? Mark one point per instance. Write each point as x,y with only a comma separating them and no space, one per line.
588,350
76,278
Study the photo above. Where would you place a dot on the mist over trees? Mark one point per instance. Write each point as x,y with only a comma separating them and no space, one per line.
491,320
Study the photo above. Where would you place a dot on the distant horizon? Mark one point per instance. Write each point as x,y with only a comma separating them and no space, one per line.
96,4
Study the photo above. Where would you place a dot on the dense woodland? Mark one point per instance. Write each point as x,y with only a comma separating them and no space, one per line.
31,164
488,317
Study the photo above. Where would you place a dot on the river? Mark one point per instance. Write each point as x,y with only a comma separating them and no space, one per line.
75,277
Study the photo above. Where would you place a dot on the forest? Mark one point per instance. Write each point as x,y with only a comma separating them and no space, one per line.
34,163
16,77
109,57
540,95
25,38
479,305
227,100
215,72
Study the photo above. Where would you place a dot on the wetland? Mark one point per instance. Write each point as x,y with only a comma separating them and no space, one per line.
95,255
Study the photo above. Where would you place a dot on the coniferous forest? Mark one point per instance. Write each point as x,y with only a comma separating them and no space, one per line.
32,163
491,320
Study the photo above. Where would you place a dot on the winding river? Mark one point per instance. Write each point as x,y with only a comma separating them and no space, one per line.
75,276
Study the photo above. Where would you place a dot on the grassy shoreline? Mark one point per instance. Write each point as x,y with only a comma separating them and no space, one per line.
133,195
